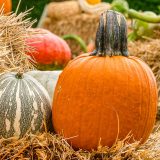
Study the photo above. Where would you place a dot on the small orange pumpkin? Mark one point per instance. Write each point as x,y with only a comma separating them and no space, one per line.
105,95
7,5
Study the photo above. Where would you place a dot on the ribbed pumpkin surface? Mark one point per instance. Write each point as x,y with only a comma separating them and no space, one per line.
104,98
24,105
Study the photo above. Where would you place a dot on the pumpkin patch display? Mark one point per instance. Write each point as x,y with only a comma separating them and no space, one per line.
48,51
103,96
7,5
24,105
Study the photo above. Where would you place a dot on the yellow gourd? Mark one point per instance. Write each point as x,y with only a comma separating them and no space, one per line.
93,1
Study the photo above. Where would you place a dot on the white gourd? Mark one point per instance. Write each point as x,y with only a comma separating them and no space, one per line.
48,79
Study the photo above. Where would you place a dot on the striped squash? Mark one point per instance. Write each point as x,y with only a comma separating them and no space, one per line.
24,105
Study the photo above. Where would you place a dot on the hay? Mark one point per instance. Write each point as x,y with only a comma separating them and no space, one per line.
80,23
149,51
84,25
48,147
14,30
62,10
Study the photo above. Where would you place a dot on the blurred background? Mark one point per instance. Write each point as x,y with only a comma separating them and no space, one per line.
144,5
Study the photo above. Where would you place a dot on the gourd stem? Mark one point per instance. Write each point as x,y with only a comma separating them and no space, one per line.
111,37
144,17
78,39
19,75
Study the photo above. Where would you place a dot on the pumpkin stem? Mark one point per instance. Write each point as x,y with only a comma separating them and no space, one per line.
111,37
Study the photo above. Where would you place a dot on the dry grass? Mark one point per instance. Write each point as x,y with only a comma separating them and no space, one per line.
71,22
47,146
14,29
84,25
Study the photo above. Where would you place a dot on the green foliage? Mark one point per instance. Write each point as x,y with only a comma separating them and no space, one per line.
37,5
141,29
144,5
120,6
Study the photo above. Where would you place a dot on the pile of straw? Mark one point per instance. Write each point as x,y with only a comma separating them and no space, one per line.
60,18
14,29
47,146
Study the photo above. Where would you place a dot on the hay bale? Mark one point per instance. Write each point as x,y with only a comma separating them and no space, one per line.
149,51
80,23
14,30
83,25
62,10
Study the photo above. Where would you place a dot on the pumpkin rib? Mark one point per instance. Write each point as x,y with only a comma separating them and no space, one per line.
143,74
113,69
124,63
108,62
132,68
100,114
80,130
139,75
138,61
140,64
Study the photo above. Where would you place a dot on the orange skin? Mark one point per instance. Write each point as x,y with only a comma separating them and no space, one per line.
49,49
7,5
104,98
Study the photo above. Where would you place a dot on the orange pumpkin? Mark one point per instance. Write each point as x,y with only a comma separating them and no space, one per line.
7,5
49,51
105,95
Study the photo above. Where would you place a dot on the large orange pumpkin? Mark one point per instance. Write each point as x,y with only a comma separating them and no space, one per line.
105,95
7,5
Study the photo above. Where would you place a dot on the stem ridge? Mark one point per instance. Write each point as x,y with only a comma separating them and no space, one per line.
111,36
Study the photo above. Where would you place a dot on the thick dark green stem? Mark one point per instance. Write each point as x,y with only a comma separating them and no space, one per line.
78,39
144,17
111,37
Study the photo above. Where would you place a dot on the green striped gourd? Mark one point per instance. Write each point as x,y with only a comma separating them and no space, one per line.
24,105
